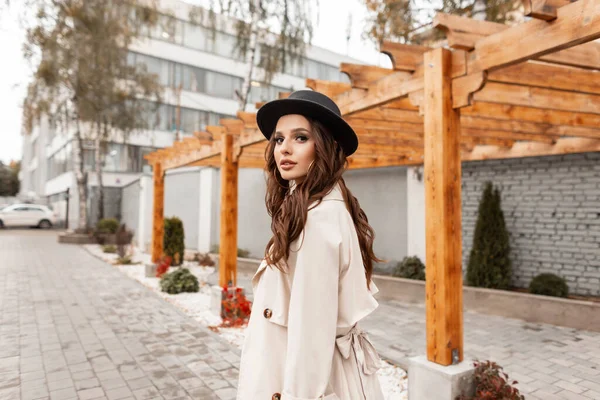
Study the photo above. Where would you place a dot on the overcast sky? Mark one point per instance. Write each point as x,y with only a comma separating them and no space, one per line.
330,33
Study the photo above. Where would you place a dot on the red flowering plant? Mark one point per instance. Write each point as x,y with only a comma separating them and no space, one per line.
163,266
235,307
492,383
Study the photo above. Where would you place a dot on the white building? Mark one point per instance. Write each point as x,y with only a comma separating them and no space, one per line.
179,52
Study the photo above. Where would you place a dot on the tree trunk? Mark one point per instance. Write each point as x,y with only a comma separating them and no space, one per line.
253,43
81,179
99,161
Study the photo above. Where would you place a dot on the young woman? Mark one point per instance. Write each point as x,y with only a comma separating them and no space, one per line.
314,285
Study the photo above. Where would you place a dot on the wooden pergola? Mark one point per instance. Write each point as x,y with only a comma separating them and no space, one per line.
493,92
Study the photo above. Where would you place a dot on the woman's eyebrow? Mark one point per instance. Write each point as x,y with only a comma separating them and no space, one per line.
300,130
295,130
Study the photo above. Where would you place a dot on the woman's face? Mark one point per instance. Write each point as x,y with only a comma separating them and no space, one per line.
294,148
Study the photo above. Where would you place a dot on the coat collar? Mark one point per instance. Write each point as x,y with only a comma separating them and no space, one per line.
334,194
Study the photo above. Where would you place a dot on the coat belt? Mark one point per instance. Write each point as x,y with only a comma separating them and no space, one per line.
366,355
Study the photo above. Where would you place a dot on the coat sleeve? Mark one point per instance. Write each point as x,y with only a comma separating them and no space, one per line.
313,310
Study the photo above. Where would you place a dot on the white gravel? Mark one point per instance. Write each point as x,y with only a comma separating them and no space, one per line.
393,379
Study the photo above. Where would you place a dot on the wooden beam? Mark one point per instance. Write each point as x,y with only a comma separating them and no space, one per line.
229,208
390,114
494,92
248,118
207,162
203,138
216,131
530,114
464,87
189,157
529,149
328,88
363,75
510,128
251,137
586,55
233,126
449,22
386,148
251,162
394,86
401,104
576,23
366,135
508,137
476,140
158,205
405,57
543,9
536,74
383,161
383,91
444,308
371,124
463,33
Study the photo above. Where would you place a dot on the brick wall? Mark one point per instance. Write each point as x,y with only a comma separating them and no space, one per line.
552,211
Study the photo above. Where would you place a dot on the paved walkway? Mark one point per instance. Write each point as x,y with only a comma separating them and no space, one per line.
549,362
73,327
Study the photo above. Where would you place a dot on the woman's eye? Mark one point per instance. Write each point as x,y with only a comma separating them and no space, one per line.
279,140
302,138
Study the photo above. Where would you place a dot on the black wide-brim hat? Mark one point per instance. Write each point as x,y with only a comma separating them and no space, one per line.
313,105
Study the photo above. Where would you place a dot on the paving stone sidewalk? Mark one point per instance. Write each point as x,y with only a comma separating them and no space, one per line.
549,362
73,327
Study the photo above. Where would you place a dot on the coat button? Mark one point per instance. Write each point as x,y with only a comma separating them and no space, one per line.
267,314
276,396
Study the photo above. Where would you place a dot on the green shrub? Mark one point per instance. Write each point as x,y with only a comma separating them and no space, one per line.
549,285
109,248
107,225
174,240
410,268
126,260
489,263
179,281
243,253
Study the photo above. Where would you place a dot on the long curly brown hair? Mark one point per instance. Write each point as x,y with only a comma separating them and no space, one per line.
289,211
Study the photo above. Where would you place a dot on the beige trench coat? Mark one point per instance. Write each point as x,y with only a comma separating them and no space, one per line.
303,341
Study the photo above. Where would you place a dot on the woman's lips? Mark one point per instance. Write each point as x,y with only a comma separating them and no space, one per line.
286,166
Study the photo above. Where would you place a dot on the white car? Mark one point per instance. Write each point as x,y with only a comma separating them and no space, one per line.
27,215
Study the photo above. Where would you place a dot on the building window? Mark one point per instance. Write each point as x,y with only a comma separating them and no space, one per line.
195,36
202,38
169,29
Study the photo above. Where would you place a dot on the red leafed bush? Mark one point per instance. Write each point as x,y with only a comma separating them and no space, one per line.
235,310
492,383
163,266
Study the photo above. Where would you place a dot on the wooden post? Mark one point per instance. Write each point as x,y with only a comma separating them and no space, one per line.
229,207
444,305
158,221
